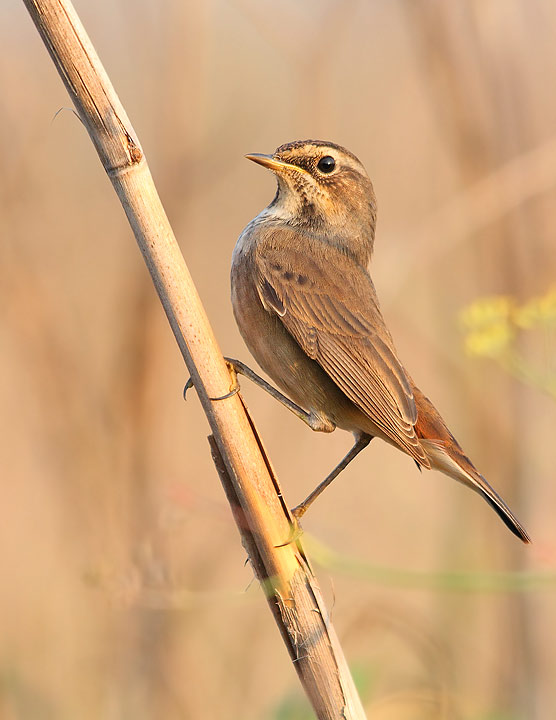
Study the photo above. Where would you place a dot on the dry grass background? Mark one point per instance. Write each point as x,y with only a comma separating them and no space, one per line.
123,592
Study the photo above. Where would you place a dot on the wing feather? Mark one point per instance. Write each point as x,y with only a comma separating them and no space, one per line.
337,322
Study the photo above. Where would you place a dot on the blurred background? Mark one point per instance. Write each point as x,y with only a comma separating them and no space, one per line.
124,591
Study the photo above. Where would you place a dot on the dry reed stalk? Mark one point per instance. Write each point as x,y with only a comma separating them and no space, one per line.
260,512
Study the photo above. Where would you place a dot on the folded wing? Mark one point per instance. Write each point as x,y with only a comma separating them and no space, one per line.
337,321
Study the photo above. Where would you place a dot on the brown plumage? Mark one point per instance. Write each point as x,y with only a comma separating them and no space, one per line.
307,308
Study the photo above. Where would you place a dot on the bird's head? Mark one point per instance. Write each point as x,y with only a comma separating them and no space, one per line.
323,188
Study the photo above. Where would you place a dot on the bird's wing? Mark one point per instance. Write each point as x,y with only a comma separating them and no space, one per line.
327,302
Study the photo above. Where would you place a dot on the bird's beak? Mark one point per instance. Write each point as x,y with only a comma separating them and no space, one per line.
270,162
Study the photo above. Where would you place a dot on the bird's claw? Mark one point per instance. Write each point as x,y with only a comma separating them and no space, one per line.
188,386
235,385
233,390
296,531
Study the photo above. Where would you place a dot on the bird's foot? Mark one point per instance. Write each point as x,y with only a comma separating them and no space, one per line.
296,531
233,390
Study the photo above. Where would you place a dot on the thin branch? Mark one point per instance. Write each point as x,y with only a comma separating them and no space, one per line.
260,512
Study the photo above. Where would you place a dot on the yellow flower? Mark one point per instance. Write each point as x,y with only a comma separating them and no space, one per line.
491,341
486,311
538,311
489,325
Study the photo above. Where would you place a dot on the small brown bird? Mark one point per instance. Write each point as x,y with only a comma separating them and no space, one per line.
307,309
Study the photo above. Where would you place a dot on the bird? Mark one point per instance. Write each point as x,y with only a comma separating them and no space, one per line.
307,309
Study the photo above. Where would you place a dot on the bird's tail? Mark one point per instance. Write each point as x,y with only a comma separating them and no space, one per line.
448,457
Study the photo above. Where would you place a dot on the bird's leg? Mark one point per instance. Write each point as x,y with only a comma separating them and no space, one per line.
242,369
360,444
314,421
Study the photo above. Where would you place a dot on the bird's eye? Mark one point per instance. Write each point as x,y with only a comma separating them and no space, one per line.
326,164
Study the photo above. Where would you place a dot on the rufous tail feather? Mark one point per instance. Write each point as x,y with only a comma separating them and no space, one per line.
452,461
